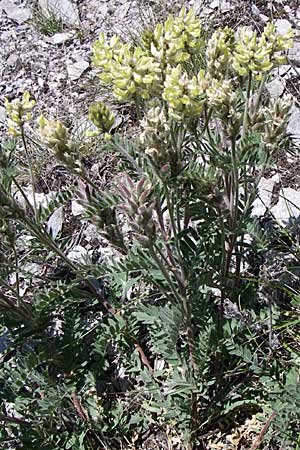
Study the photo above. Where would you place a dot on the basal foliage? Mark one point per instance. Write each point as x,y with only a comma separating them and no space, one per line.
171,333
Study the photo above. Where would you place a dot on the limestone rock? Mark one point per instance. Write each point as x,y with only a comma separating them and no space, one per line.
288,206
14,12
78,254
76,208
61,38
223,5
55,222
294,53
293,127
275,87
65,10
265,192
282,26
285,71
75,70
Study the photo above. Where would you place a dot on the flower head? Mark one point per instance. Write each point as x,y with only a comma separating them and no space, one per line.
101,116
130,70
56,137
18,112
184,95
219,52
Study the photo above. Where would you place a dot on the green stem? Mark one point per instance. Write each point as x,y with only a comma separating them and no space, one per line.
165,273
129,158
30,166
17,269
21,308
138,107
23,194
260,91
245,120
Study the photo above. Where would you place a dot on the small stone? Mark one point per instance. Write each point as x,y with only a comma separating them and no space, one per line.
102,8
76,69
282,26
288,206
294,53
293,128
61,38
275,88
14,12
223,5
91,233
263,201
2,114
264,18
55,222
76,208
14,61
78,254
285,71
64,10
42,200
255,10
81,127
41,82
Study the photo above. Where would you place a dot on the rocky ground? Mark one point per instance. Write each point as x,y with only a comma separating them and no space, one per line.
51,57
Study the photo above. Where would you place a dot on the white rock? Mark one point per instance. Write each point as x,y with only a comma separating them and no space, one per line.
288,206
282,26
276,178
264,18
285,71
14,12
81,127
14,61
2,114
42,200
32,268
64,10
55,222
294,53
255,10
91,233
293,127
102,9
61,38
78,254
77,208
223,5
76,69
263,202
276,87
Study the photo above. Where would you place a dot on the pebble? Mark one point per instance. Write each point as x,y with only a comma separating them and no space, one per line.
76,69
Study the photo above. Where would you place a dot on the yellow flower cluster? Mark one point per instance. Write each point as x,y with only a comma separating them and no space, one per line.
131,71
219,52
101,116
18,112
184,96
56,136
259,55
156,69
155,135
177,39
53,132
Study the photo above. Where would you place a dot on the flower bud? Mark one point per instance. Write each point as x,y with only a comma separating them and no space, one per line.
18,112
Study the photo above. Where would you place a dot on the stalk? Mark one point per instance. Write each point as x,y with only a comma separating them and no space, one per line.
29,161
245,120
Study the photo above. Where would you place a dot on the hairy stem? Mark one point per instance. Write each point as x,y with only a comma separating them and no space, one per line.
30,166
